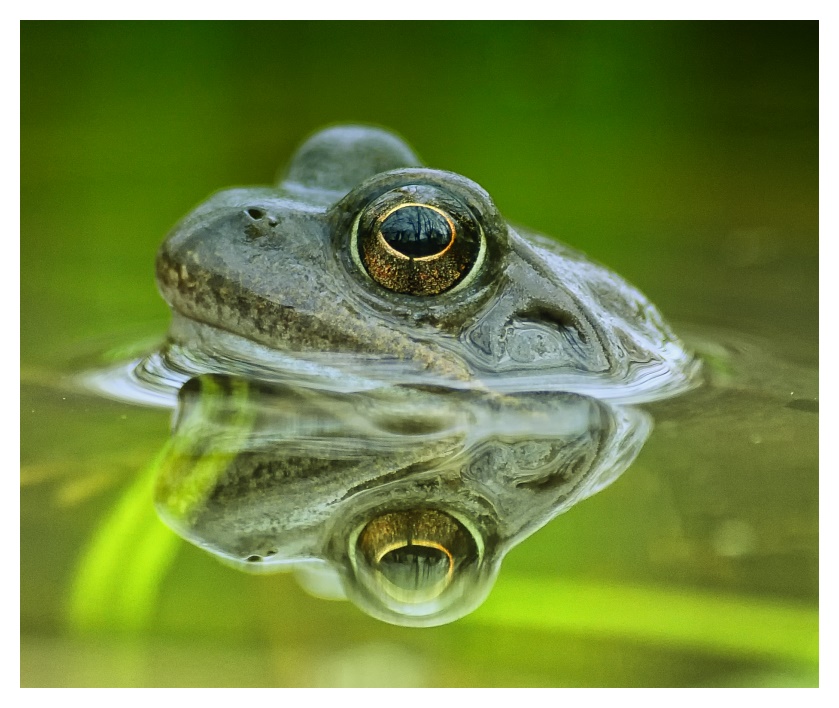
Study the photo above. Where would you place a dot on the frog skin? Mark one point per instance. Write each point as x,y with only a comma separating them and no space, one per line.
404,501
362,268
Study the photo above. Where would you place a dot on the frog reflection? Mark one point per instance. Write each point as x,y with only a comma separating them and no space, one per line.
403,500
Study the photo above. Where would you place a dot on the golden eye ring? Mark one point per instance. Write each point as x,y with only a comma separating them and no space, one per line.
418,240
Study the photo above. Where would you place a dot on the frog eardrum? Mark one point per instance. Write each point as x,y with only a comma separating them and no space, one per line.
418,240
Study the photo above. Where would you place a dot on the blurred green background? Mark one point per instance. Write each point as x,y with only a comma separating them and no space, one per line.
682,154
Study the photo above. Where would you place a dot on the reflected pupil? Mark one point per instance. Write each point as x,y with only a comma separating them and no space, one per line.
416,231
415,567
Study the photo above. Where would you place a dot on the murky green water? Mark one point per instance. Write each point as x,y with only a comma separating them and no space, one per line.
684,156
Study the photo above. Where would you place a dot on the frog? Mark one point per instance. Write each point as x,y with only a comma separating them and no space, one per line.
464,380
361,267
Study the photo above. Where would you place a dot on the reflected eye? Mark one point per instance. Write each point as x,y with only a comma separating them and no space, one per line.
413,555
416,567
418,240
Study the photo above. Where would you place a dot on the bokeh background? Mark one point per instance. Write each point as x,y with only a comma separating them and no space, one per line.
682,154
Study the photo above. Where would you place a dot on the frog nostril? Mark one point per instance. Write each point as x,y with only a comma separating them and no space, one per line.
255,214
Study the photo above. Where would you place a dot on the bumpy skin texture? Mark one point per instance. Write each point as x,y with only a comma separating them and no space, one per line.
276,267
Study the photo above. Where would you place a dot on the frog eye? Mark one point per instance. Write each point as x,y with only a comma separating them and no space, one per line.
418,240
414,556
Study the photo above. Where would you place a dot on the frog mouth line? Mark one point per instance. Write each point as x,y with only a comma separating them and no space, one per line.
154,379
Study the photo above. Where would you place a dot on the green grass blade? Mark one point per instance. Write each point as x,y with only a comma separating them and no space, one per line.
684,618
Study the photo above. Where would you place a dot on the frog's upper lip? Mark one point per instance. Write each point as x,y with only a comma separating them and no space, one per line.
156,378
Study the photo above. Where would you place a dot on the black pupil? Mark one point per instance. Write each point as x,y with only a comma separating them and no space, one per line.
415,567
416,231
